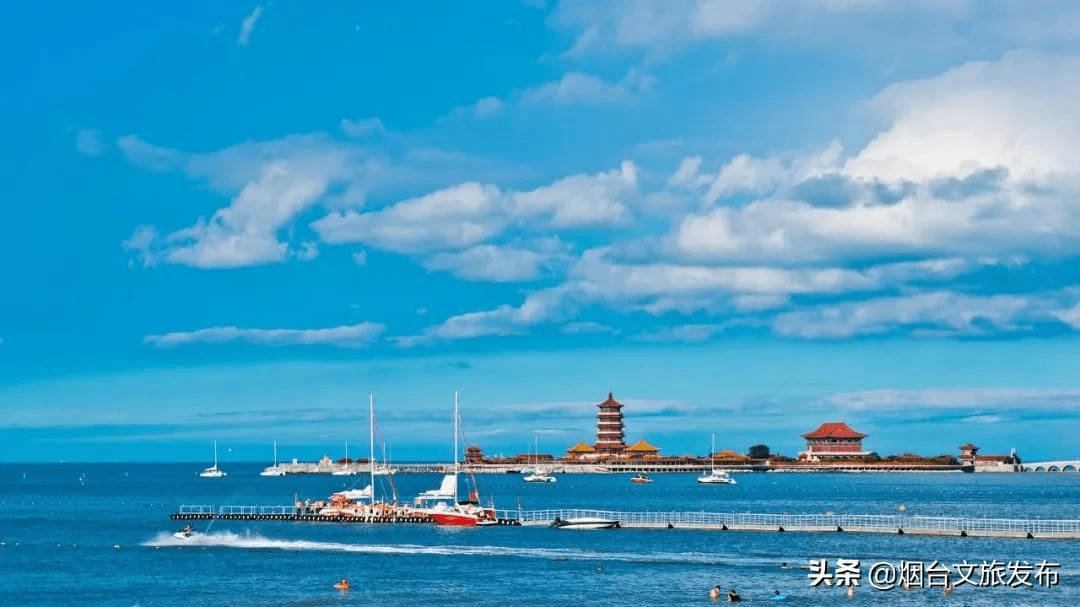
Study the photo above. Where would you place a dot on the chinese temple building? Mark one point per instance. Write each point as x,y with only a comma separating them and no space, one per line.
609,428
473,455
580,451
833,441
641,450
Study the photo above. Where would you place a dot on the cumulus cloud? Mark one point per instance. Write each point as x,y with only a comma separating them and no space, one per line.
468,214
346,336
495,263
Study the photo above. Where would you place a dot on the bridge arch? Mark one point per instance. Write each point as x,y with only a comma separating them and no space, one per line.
1068,468
1039,469
1053,469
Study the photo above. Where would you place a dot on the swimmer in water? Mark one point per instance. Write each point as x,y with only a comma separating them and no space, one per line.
733,597
714,592
342,585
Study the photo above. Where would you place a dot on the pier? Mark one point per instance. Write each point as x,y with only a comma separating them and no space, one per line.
894,524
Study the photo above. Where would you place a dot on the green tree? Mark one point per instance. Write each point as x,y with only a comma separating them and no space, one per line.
759,452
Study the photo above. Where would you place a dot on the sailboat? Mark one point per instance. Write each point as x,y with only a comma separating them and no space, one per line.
213,471
345,470
347,502
715,477
274,470
464,513
537,475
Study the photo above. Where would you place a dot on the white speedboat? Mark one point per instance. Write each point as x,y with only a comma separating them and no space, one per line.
585,522
641,479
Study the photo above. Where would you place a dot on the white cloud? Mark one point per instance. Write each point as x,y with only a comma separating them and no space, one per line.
458,216
248,25
1000,399
498,263
246,232
693,333
580,200
937,313
576,87
930,26
307,251
481,108
361,128
88,142
1018,113
587,327
346,336
468,214
542,306
360,258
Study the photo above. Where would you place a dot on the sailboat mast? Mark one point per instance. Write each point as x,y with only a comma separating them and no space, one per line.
371,429
215,455
455,446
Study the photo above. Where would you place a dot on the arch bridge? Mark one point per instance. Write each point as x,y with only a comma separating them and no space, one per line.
1055,466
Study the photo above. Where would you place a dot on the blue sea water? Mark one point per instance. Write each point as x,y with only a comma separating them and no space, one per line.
100,534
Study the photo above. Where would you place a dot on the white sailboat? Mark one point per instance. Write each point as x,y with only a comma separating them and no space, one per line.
345,470
274,470
213,471
538,475
715,477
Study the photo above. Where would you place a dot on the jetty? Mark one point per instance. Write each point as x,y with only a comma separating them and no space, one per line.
894,524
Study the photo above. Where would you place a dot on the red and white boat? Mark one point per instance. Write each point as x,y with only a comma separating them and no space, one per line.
464,513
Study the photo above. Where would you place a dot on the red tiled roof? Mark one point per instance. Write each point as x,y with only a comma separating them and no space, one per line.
834,430
610,402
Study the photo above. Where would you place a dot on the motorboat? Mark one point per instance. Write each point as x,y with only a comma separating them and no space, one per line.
539,477
641,478
585,522
213,471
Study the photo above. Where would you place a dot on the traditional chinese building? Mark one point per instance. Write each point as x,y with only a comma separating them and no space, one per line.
641,450
474,455
580,451
609,428
833,441
971,461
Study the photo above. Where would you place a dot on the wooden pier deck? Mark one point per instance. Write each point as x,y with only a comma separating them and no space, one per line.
897,524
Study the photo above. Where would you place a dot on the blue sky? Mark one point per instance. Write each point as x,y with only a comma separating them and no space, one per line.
234,222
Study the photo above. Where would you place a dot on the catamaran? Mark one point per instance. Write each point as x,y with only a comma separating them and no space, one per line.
213,471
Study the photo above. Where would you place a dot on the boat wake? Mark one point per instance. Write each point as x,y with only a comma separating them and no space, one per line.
256,541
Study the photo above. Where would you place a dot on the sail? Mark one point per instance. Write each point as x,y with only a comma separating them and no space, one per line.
446,490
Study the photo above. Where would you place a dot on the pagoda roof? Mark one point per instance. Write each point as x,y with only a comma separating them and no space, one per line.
610,402
834,430
641,445
968,446
581,447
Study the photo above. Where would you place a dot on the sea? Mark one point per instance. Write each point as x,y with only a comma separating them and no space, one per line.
100,534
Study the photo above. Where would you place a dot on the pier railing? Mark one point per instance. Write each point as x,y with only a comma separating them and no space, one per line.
878,523
853,522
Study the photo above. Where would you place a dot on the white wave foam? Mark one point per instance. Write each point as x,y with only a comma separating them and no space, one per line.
256,541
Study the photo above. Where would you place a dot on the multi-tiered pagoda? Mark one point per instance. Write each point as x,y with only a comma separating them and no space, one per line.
609,428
